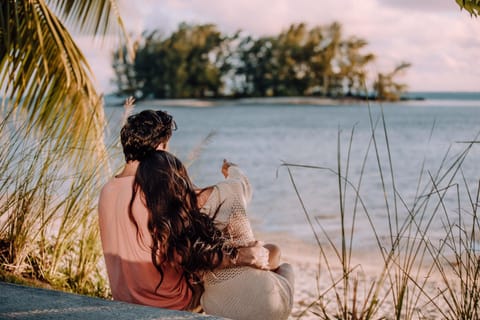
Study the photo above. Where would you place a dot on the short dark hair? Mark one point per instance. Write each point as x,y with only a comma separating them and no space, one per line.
144,132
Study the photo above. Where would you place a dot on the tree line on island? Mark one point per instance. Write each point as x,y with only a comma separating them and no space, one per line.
199,61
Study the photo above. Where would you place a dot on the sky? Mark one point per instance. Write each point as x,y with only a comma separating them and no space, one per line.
440,41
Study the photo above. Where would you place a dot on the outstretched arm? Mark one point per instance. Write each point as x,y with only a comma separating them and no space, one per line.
233,173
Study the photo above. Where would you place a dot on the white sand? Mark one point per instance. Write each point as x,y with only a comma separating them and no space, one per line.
305,259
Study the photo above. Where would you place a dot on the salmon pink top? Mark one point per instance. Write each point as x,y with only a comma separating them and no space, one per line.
132,275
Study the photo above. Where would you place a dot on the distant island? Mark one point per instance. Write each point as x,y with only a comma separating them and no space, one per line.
201,62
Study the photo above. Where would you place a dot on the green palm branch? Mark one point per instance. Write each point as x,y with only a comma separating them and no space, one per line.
472,6
45,78
51,116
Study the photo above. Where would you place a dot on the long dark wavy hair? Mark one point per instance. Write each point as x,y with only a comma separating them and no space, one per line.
180,232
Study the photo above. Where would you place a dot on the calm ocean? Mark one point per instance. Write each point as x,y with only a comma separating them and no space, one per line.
424,135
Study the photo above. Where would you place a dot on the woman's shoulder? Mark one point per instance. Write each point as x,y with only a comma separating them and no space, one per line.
116,184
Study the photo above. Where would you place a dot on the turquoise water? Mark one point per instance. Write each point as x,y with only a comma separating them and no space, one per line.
261,137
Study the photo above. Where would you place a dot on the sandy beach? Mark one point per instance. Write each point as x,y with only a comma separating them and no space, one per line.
310,285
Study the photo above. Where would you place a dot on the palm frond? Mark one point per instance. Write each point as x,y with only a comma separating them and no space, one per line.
46,78
472,6
91,17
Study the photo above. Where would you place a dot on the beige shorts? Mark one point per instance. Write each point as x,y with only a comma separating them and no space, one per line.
250,294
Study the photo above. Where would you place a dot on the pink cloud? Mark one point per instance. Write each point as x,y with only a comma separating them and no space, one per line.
425,5
440,42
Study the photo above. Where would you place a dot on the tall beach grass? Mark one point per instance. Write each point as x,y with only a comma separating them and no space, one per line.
48,200
419,273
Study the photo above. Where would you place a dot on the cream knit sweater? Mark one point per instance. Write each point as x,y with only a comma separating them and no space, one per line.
241,292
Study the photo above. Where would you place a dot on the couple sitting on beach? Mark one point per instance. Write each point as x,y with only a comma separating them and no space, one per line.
170,244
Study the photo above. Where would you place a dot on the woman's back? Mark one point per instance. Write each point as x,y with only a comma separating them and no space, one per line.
132,275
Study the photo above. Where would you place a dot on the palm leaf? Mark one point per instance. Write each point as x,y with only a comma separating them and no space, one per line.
50,117
91,17
472,6
44,74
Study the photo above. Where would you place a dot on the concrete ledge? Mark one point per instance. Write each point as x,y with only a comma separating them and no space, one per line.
22,302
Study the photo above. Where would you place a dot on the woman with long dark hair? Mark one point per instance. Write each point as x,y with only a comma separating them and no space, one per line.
180,233
186,234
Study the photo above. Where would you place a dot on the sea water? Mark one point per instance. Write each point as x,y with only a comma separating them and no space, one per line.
388,155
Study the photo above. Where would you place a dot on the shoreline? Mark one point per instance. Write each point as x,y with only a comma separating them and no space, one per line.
215,102
313,279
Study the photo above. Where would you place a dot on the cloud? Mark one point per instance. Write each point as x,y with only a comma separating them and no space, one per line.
438,39
424,5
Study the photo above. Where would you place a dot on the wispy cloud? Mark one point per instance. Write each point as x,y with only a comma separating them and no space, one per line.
425,5
438,39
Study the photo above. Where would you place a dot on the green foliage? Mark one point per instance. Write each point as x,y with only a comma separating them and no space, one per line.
386,88
44,74
123,67
472,6
194,62
299,61
48,228
303,61
53,155
188,64
256,67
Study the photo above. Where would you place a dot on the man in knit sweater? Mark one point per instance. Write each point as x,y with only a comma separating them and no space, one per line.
132,275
